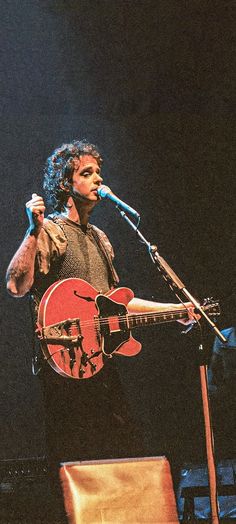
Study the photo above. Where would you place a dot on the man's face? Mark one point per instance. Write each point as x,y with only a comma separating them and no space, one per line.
86,177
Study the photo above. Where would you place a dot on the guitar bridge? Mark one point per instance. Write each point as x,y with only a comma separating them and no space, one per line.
55,333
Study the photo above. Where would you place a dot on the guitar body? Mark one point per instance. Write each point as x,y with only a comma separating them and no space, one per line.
80,328
84,327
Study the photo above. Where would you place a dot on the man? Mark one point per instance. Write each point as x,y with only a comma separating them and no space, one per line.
84,419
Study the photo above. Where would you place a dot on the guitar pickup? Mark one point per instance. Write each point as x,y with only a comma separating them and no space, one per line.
113,324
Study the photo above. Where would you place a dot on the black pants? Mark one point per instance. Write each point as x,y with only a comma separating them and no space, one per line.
89,419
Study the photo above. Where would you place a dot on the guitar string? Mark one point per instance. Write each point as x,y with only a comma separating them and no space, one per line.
132,318
96,323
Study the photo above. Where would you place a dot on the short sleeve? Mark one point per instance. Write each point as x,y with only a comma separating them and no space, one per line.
52,244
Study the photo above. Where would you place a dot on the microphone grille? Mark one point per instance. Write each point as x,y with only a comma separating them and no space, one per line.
103,191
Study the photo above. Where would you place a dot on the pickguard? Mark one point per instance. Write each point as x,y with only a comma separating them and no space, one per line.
107,308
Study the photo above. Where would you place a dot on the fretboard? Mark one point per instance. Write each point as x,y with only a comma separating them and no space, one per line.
144,319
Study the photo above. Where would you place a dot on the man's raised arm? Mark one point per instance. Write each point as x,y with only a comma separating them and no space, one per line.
20,272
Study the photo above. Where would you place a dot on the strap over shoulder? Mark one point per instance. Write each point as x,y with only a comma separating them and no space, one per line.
107,249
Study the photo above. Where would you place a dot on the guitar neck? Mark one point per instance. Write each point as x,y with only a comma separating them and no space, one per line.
155,317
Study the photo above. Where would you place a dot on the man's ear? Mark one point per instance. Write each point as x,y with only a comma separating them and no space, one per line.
76,163
65,186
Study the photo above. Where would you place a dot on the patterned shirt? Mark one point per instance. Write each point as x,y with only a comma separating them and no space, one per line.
66,249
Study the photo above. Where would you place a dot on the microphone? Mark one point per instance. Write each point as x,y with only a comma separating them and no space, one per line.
106,192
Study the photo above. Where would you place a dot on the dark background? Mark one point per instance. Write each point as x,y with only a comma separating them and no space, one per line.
152,83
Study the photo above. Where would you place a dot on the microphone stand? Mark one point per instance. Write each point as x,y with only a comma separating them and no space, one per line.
176,285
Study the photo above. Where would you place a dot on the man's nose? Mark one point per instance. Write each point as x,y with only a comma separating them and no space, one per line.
98,178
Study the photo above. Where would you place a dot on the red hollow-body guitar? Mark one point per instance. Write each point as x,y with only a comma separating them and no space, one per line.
80,328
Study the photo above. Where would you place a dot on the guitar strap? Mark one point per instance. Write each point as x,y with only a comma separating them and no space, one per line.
107,251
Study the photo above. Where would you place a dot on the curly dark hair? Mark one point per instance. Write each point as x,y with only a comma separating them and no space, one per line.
59,168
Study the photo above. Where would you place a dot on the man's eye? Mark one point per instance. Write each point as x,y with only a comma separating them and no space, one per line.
86,174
